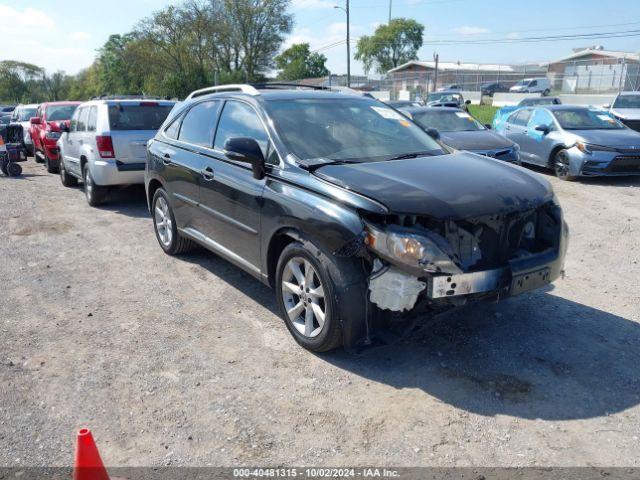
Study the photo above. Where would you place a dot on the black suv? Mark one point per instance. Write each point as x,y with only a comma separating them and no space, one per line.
361,221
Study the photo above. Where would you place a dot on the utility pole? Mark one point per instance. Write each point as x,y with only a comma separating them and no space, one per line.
348,50
436,58
390,3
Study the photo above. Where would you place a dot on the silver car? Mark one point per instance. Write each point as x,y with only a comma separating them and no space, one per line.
626,108
22,114
574,141
106,143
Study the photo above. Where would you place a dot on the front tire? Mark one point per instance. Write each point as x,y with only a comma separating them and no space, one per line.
305,296
14,170
67,179
50,167
165,226
95,194
561,166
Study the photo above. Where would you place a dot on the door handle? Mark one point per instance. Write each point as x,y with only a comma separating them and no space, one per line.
167,159
207,173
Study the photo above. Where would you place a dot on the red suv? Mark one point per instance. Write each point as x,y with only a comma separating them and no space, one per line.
45,131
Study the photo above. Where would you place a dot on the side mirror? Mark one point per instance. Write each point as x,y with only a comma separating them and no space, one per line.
247,150
543,128
433,133
64,127
35,121
607,106
467,102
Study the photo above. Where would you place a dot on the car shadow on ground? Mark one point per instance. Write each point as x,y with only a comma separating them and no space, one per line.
537,356
532,356
129,200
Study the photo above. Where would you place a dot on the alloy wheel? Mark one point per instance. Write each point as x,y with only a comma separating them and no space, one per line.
88,185
303,296
562,165
164,225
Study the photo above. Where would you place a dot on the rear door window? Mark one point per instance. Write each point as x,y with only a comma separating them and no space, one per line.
522,117
143,116
199,123
82,120
92,119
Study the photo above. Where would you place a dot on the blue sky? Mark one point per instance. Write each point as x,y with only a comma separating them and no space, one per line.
64,35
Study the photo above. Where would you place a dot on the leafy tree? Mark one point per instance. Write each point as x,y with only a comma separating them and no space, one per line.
297,62
391,45
20,81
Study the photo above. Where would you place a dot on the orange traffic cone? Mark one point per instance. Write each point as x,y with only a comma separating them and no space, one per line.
88,464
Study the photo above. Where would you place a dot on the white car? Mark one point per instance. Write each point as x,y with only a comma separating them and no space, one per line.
532,85
22,114
626,108
106,143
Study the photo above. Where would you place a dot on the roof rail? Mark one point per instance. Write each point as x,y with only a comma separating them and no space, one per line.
128,97
276,85
224,88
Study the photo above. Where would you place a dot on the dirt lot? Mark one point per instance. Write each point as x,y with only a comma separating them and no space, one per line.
182,361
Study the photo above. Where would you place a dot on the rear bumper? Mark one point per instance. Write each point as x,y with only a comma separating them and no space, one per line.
113,172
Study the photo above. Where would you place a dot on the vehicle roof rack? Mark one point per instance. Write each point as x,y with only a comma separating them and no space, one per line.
244,88
283,85
129,97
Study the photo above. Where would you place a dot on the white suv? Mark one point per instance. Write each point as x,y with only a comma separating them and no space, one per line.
106,144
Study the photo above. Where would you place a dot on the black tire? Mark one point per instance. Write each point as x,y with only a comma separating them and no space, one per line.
561,165
4,163
330,335
66,179
177,244
37,157
546,93
95,194
14,170
50,167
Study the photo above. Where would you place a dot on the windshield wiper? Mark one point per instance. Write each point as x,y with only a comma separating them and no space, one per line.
405,156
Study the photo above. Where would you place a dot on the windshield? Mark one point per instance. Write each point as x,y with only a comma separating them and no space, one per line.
446,121
586,119
60,112
347,130
522,83
26,114
627,101
444,97
527,102
149,116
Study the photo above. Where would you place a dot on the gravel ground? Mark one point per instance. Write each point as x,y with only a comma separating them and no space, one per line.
183,361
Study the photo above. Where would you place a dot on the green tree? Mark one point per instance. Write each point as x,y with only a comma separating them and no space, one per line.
390,45
297,62
20,81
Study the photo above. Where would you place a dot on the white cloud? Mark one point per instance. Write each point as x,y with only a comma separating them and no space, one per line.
32,36
467,30
513,35
310,4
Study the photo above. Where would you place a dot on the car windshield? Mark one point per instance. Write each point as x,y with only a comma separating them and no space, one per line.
444,97
145,116
25,114
446,120
627,101
60,112
586,119
4,120
527,102
347,130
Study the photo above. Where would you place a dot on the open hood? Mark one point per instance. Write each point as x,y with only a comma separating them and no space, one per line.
453,186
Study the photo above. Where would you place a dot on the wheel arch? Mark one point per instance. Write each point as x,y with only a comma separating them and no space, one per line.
277,243
552,155
152,187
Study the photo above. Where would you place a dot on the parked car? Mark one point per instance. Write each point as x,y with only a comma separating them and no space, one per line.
450,88
461,131
22,114
46,129
532,85
504,112
4,121
447,99
574,141
7,108
350,211
490,88
105,144
626,108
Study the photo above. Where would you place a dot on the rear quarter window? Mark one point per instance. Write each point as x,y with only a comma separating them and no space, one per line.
138,117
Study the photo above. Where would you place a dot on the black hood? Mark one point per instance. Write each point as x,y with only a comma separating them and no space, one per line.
460,185
475,140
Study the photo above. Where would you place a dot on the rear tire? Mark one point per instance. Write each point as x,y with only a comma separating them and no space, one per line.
546,93
165,226
14,169
95,194
67,179
37,157
50,168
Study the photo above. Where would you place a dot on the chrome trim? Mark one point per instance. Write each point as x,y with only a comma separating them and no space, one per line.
220,250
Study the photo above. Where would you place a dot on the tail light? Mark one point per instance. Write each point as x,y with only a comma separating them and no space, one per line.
105,146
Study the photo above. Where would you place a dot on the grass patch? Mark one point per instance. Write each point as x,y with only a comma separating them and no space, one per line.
484,113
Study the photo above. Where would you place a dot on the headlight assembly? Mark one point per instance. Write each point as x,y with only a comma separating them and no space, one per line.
589,148
412,250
